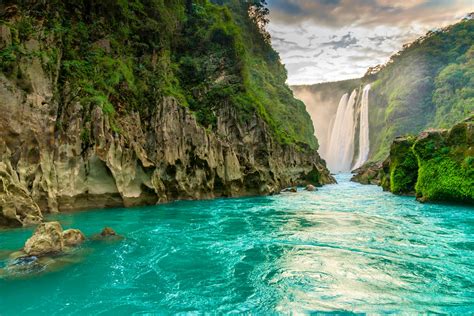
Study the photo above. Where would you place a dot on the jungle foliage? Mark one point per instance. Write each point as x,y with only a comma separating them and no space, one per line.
429,84
126,55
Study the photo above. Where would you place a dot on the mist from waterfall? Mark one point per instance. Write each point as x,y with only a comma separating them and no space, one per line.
364,144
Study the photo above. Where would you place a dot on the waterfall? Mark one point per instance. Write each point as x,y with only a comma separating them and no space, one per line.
364,144
348,134
339,153
328,138
332,156
341,146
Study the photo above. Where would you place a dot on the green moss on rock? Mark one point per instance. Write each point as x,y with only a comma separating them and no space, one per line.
403,166
446,171
438,165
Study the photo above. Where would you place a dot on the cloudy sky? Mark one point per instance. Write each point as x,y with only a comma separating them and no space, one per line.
329,40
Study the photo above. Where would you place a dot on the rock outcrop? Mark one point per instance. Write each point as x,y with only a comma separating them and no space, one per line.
50,239
369,173
446,164
50,248
47,239
437,165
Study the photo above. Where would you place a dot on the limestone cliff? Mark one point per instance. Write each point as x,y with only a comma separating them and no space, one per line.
59,152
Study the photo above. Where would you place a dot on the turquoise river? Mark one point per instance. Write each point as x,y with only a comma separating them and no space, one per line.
346,248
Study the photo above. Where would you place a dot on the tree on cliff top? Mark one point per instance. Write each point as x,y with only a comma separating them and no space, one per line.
259,12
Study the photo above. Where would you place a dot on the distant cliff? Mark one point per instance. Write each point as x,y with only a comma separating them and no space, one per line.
131,103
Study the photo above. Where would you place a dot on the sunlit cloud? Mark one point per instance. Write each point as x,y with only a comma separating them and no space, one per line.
328,40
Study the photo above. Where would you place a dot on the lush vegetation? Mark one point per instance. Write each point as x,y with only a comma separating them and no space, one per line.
127,55
436,165
403,166
446,164
430,84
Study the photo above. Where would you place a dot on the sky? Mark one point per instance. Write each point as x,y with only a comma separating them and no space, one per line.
331,40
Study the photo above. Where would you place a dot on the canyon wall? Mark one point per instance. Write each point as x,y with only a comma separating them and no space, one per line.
61,152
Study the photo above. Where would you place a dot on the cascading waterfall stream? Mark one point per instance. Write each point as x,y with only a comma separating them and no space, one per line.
340,151
348,134
335,138
364,144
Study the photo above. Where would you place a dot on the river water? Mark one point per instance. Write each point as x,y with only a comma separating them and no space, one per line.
347,248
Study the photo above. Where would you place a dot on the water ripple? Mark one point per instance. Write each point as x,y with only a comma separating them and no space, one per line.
345,248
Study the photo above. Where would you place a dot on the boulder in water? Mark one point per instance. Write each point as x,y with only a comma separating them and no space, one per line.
47,239
107,231
310,188
107,234
73,237
47,250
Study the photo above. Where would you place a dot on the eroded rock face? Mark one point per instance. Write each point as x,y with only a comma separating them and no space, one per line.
17,208
57,156
47,239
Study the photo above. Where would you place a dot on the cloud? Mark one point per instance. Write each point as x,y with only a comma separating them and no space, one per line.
367,12
345,41
328,40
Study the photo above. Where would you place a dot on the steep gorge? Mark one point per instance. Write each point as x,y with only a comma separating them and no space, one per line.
419,122
101,109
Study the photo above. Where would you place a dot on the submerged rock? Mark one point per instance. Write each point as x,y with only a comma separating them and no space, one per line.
24,265
47,239
107,234
107,231
27,260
